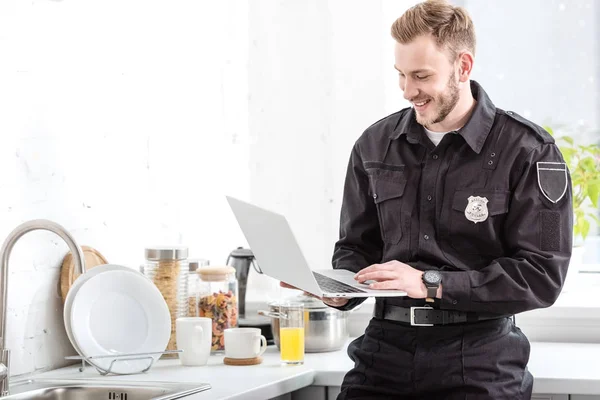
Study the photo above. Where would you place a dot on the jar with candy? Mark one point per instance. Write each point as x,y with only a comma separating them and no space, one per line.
218,300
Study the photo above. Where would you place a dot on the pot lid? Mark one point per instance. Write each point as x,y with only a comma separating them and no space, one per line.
309,302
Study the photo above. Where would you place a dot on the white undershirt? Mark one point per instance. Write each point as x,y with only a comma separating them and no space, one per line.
435,137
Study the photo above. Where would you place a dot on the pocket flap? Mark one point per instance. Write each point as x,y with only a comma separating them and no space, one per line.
385,189
497,200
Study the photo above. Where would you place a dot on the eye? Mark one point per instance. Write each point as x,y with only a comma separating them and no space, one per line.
422,77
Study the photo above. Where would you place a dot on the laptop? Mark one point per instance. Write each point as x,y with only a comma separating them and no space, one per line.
273,243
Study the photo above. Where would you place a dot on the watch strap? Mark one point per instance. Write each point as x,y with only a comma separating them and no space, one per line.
431,292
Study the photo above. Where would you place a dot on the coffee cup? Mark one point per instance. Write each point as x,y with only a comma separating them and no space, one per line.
244,343
194,337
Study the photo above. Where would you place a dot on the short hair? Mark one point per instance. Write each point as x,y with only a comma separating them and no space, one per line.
450,26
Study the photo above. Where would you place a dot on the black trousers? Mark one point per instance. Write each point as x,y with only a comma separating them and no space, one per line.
474,361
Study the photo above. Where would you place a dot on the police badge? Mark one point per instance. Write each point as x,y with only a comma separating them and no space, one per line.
476,210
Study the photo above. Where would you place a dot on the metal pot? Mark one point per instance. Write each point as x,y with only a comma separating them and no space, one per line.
325,328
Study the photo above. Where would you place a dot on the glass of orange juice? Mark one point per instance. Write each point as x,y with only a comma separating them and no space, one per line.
291,333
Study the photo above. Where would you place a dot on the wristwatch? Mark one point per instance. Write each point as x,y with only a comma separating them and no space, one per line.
432,280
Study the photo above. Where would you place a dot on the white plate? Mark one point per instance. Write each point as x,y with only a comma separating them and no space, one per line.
75,287
117,312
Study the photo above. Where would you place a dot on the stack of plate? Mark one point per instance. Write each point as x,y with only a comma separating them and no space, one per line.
113,310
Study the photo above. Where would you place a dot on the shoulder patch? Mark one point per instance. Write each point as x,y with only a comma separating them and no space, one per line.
552,180
538,130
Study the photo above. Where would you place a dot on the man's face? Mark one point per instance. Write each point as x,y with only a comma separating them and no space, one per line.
428,79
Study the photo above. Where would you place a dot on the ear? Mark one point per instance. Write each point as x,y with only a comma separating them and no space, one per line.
465,66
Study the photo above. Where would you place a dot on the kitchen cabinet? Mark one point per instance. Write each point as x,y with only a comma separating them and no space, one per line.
539,396
311,393
287,396
584,397
317,393
333,391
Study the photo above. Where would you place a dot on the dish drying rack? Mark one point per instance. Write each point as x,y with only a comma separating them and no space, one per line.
121,357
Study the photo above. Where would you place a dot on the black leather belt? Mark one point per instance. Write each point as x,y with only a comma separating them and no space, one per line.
428,316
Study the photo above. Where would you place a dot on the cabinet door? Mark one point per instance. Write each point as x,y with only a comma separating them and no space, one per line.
333,391
310,393
287,396
539,396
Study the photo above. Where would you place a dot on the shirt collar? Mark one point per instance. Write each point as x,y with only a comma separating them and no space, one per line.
474,132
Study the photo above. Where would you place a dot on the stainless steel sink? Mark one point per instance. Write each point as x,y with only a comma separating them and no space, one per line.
79,389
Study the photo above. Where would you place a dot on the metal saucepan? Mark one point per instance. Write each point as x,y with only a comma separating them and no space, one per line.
325,328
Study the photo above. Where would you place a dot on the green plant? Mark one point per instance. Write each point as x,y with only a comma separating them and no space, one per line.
583,162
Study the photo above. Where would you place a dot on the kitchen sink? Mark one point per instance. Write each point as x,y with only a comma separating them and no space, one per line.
79,389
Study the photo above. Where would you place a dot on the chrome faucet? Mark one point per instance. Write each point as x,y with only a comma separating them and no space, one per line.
7,247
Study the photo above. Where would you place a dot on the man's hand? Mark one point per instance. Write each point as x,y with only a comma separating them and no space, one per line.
395,275
330,301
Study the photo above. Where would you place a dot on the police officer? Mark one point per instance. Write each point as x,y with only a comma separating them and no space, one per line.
464,206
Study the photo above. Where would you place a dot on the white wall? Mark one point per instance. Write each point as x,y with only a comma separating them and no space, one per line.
127,122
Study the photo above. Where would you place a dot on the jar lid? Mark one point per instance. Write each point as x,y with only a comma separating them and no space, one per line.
156,253
241,252
196,263
216,273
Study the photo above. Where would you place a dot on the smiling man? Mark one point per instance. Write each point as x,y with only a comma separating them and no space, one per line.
464,206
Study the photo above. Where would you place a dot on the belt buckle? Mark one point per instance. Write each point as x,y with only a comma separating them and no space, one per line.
412,315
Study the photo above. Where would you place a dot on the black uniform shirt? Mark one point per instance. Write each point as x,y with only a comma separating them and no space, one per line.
490,207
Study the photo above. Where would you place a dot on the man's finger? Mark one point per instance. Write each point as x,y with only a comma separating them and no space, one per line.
286,285
335,301
377,276
375,267
386,285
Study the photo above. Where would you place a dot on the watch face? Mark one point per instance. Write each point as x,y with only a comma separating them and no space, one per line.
432,277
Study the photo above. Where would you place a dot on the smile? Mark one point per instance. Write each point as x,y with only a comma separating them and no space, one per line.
421,105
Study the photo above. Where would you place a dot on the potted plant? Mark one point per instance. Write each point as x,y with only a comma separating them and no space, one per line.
583,161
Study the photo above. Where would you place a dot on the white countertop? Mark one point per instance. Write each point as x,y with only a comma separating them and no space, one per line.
560,368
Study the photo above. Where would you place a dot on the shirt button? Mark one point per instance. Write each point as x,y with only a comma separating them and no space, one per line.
493,155
375,195
454,301
435,156
490,162
426,237
429,197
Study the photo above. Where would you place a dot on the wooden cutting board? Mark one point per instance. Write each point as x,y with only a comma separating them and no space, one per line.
92,258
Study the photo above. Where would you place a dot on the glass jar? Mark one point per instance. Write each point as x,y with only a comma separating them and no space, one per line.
168,268
218,299
194,284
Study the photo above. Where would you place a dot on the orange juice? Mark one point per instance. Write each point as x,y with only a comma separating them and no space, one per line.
291,342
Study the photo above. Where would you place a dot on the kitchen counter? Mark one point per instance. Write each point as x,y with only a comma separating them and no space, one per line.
558,368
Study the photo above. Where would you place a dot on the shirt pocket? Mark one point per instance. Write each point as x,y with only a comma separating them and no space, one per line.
387,188
469,229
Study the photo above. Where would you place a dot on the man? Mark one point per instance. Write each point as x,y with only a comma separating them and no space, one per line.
465,207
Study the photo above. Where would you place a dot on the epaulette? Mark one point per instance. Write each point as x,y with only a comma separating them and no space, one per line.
538,130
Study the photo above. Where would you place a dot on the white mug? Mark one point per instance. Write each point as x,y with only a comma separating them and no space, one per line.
194,337
244,343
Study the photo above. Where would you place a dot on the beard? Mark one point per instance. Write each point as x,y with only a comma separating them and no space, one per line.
443,104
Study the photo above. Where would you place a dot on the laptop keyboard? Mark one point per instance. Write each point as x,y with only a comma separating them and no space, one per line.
332,286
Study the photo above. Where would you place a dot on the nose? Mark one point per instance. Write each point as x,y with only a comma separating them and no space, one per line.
410,89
